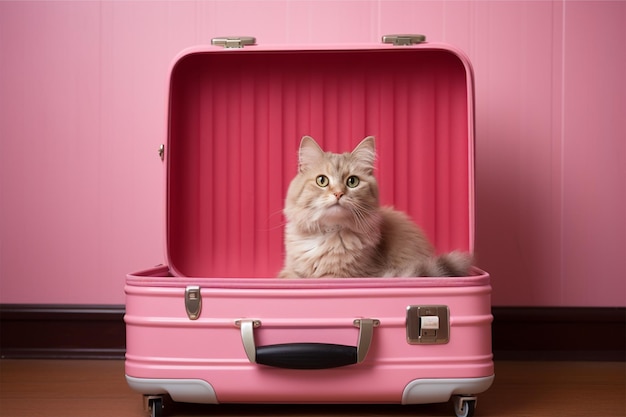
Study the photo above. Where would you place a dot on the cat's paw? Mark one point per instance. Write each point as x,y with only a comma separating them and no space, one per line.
287,274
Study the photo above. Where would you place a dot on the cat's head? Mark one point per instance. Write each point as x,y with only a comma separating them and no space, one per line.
333,190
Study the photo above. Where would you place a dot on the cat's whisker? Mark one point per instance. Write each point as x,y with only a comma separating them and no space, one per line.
361,214
276,227
276,213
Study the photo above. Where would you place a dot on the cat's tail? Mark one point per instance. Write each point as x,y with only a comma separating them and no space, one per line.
452,264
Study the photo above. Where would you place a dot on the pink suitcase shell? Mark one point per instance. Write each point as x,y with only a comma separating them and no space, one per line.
215,326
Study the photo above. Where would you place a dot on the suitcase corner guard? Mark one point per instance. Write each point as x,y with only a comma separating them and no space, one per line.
307,355
181,390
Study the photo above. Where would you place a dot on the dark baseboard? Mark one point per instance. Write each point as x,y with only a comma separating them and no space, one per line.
62,331
559,333
519,333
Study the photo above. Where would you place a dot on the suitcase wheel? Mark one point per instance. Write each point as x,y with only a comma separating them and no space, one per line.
464,406
154,405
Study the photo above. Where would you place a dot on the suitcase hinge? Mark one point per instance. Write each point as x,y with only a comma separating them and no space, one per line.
403,40
233,41
193,302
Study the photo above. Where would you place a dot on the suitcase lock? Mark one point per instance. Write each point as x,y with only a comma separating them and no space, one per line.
428,325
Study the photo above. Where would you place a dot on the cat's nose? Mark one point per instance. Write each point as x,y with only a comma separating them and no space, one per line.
338,194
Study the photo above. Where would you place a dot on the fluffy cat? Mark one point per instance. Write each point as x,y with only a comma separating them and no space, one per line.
336,227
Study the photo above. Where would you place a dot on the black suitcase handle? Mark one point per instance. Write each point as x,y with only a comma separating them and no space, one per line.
307,355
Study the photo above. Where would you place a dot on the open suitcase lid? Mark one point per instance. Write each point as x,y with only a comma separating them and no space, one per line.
236,118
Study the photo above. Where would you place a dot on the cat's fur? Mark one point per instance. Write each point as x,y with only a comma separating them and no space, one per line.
335,230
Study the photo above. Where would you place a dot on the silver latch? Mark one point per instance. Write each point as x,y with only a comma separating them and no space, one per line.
406,39
193,302
233,41
427,325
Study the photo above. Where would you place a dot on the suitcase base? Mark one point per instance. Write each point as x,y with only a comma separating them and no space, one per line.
172,349
419,391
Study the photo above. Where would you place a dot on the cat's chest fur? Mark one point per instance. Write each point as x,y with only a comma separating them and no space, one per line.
333,252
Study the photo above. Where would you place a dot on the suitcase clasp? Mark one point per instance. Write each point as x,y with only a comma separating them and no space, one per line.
193,302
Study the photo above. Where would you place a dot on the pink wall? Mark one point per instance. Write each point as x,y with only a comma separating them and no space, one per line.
82,112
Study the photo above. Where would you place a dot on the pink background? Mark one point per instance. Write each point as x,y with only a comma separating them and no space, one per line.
82,113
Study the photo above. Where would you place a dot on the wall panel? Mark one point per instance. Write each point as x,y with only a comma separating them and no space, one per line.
83,89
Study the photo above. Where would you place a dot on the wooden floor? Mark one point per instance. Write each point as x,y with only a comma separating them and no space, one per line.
31,388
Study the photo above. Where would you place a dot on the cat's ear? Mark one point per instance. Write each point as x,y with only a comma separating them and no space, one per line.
309,154
365,152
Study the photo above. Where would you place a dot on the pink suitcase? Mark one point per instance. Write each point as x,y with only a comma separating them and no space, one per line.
215,326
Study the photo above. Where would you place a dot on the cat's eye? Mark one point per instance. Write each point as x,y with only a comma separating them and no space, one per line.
353,181
322,180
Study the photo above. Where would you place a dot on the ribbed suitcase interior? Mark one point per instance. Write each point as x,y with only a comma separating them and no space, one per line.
235,123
